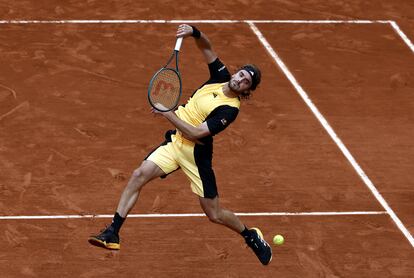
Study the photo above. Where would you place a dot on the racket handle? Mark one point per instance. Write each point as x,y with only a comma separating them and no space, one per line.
178,44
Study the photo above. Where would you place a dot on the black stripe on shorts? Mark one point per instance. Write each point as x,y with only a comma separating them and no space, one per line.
203,156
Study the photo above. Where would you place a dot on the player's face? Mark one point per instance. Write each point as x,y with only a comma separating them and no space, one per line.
240,81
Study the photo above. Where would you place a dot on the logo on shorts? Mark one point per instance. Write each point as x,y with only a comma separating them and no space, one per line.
224,121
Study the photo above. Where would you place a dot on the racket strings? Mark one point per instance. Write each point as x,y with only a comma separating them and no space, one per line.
165,89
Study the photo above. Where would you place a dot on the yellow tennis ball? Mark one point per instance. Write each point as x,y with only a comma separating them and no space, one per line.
278,240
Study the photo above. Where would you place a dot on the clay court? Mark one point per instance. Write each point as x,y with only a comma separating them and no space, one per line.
322,153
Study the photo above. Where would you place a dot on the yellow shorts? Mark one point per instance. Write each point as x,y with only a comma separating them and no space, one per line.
194,159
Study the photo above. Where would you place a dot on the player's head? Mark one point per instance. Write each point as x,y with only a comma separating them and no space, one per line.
245,80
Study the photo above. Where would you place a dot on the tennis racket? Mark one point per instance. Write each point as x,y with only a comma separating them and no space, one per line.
164,90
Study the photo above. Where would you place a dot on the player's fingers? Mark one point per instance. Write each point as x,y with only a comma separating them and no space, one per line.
183,26
184,30
180,30
183,34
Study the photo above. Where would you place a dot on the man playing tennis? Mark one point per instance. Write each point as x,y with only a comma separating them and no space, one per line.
209,111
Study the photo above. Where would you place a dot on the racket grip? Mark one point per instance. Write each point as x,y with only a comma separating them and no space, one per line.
178,44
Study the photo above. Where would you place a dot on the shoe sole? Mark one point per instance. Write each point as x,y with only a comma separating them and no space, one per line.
261,235
104,244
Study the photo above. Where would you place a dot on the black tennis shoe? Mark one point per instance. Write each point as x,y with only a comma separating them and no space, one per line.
107,239
260,247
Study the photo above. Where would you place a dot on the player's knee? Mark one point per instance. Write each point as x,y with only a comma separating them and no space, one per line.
140,176
215,218
137,173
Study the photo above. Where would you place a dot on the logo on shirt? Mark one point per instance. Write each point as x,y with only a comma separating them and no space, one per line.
214,94
224,121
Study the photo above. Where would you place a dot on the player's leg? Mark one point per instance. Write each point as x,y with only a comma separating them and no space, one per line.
140,177
109,237
219,215
158,163
253,237
196,163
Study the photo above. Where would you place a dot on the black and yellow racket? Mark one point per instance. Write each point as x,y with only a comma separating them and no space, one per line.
164,90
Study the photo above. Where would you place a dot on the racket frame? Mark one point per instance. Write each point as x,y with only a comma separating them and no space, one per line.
176,71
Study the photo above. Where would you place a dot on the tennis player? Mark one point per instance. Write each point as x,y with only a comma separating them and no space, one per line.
211,109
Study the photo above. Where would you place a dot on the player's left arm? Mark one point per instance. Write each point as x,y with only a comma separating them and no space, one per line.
190,132
218,120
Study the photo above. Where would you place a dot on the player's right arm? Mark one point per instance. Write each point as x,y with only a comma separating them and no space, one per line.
203,43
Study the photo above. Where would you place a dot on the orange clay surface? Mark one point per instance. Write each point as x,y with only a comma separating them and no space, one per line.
75,122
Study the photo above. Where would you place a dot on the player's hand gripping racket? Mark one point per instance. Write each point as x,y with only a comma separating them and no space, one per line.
164,90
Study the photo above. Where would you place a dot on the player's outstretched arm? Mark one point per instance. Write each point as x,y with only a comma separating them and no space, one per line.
203,43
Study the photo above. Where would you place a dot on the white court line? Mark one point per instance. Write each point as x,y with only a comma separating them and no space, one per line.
177,21
402,35
332,133
171,215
